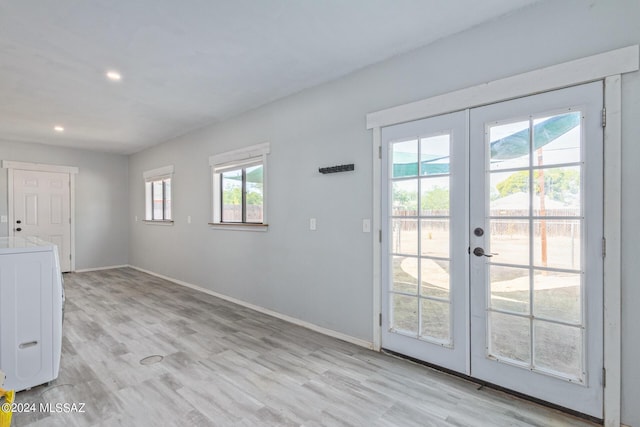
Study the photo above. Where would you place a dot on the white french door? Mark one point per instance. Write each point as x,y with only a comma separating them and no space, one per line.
424,237
492,244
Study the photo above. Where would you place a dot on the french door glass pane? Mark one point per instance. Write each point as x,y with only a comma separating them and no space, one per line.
405,313
404,158
509,194
557,296
420,234
543,180
561,196
558,348
434,155
435,278
557,243
404,200
510,240
435,320
405,274
509,145
405,236
434,196
557,138
510,289
435,237
510,337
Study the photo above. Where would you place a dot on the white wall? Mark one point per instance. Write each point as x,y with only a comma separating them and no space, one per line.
324,277
102,199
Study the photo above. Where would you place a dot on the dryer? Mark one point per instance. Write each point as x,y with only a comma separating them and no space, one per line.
31,305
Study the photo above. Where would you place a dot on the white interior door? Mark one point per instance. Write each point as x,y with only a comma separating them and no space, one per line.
536,293
41,208
492,244
425,302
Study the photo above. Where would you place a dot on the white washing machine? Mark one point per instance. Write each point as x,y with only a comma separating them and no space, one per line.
31,309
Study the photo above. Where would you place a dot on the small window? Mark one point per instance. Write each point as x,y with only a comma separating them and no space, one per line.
239,186
158,202
243,195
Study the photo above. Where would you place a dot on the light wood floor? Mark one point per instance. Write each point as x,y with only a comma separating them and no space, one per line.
225,365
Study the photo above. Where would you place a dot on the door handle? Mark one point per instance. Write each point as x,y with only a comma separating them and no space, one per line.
18,229
27,344
480,252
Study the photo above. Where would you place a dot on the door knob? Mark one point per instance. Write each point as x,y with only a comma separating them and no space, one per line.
18,229
18,222
480,252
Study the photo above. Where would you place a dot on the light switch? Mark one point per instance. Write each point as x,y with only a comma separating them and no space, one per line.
366,225
312,224
3,219
189,219
136,218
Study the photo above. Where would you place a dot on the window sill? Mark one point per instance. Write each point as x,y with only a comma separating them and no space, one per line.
237,226
157,222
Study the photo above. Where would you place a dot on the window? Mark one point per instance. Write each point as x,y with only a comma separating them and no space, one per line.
242,192
157,188
239,186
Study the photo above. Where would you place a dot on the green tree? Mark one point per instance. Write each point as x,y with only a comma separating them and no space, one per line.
516,183
436,199
405,199
254,197
233,196
560,184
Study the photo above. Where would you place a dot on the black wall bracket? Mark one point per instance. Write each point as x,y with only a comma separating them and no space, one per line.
339,168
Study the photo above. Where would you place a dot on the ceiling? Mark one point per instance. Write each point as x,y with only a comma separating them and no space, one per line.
189,63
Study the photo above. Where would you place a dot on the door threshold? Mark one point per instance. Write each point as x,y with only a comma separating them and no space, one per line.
482,384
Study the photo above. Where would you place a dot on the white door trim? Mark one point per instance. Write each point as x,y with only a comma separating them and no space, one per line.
571,73
606,66
377,239
41,167
612,260
11,166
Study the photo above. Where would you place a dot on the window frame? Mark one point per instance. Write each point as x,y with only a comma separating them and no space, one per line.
151,177
239,159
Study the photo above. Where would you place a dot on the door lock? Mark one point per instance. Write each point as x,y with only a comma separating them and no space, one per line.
478,231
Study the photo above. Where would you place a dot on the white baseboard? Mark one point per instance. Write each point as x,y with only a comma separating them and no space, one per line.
295,321
110,267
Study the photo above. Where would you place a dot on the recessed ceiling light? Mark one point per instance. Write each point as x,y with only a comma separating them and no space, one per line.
58,128
114,75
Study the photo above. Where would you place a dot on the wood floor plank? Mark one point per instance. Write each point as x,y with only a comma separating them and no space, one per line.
226,365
